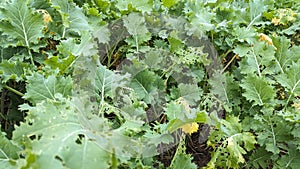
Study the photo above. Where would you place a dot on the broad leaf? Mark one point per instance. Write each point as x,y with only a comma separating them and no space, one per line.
21,23
8,151
58,138
41,88
291,159
12,71
106,81
63,64
238,142
190,92
146,85
285,54
73,17
257,90
291,79
135,24
258,58
143,6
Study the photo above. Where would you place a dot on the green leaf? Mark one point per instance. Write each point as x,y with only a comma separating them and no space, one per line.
219,86
238,142
63,64
40,88
183,161
190,92
58,138
102,33
201,18
146,85
21,23
169,3
72,16
291,159
258,59
106,81
175,44
291,79
8,151
70,46
135,24
285,53
257,90
143,6
260,158
12,71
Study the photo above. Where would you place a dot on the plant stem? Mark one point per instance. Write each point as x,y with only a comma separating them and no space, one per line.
231,60
31,57
13,90
181,143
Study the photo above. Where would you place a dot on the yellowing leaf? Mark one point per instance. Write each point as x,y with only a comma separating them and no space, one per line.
190,128
275,21
264,37
46,16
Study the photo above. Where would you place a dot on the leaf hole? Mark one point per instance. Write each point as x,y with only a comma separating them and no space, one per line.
79,139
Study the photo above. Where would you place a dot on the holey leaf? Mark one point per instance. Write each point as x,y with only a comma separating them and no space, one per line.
106,81
257,90
52,130
291,79
21,23
40,88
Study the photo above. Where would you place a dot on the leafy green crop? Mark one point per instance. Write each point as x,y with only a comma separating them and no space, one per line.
133,84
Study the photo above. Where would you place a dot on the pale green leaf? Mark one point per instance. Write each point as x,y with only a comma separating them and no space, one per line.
183,161
8,152
257,90
143,6
135,24
146,85
190,92
58,138
14,71
102,34
21,23
291,79
106,81
258,59
285,54
72,16
41,88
